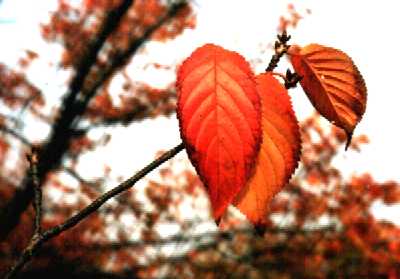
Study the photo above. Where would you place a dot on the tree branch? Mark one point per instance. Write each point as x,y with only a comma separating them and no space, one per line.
209,237
80,179
281,47
38,241
16,135
89,59
37,203
58,141
122,58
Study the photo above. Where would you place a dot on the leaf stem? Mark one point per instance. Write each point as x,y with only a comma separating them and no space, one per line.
279,75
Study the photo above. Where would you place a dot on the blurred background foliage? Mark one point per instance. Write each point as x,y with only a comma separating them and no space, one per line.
320,225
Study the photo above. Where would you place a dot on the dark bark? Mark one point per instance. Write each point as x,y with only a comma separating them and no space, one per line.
72,109
52,152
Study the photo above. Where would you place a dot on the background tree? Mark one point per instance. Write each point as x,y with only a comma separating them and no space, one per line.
320,225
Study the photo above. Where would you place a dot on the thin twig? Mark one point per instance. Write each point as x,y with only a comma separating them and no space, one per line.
281,47
38,241
37,202
80,179
282,76
198,238
15,120
15,134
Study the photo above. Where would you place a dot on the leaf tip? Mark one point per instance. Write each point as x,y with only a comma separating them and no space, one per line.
349,137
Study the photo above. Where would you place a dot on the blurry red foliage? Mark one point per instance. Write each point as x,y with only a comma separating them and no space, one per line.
292,20
74,26
320,226
16,90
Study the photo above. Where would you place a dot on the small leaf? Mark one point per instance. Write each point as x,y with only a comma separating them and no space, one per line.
219,115
279,153
333,84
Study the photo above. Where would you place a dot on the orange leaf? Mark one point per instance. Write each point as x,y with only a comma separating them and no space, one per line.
279,152
333,84
219,115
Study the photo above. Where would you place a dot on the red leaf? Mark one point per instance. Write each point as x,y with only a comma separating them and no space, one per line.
333,84
220,120
279,152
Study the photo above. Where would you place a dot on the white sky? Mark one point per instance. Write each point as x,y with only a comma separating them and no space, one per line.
360,28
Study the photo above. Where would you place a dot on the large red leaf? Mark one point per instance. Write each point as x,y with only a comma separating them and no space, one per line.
219,114
332,83
279,153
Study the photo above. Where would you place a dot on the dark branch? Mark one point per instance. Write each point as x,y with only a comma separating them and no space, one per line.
122,58
16,135
72,109
281,47
89,59
37,203
80,179
137,113
209,237
37,242
74,270
58,142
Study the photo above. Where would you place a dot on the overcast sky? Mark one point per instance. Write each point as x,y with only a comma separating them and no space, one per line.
366,30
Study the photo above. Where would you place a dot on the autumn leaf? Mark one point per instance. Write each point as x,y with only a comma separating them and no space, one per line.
219,115
333,84
279,153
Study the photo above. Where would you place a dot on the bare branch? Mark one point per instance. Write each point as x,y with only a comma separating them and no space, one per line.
16,135
123,57
37,203
89,59
38,241
61,133
281,47
80,179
